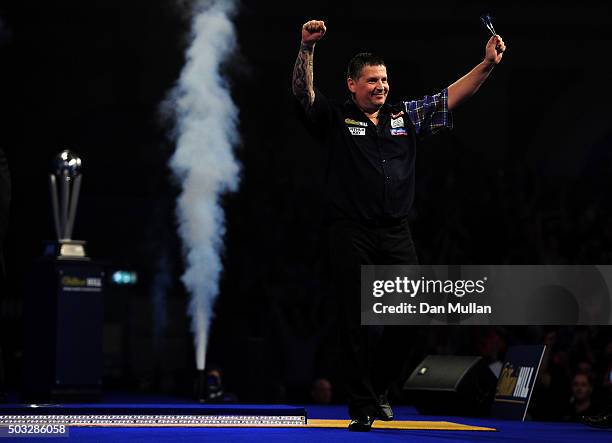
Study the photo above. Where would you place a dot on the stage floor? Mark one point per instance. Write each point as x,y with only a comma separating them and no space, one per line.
505,431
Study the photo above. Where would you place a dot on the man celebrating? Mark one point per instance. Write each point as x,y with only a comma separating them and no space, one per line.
371,149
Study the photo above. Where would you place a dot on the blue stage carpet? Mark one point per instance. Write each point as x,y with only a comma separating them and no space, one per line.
507,431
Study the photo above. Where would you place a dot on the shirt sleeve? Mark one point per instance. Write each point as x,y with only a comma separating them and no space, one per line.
430,114
320,113
317,118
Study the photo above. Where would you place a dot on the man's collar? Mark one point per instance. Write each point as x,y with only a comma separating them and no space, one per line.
350,103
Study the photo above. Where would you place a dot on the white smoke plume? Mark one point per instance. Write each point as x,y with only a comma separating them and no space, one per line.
205,132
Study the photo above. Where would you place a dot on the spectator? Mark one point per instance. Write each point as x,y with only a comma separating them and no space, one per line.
552,386
214,391
580,403
321,392
607,377
492,347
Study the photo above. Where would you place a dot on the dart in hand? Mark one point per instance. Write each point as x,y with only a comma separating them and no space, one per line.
486,20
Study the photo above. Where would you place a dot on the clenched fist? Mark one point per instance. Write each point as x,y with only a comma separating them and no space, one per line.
312,32
494,50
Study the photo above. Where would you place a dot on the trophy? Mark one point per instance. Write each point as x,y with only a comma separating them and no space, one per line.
65,174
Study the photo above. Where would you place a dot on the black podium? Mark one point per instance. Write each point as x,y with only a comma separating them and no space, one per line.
63,319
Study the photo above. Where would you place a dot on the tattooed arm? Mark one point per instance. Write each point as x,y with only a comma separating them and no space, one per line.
303,83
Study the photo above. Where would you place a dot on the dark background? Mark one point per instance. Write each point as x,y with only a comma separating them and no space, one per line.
522,179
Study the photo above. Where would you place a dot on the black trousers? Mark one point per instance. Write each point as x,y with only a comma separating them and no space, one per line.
373,357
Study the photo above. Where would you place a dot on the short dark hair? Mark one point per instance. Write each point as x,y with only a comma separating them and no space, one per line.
359,61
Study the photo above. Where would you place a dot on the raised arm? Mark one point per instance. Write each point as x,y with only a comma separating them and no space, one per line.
467,85
303,80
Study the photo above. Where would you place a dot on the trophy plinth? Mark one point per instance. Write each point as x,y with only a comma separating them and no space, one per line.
66,249
64,304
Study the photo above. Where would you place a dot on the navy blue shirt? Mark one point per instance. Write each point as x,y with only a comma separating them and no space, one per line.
371,168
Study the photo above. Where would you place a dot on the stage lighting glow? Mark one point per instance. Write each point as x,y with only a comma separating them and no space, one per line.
124,277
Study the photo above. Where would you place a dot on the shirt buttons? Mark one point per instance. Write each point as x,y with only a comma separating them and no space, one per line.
384,161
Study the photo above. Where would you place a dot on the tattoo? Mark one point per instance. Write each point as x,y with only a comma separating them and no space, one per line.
303,79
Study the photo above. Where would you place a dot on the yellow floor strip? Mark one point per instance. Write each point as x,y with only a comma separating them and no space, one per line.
400,424
312,423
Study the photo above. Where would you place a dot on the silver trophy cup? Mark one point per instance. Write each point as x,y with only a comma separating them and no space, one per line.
65,185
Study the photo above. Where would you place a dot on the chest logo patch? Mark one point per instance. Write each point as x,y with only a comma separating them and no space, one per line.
357,131
350,121
399,114
397,122
398,131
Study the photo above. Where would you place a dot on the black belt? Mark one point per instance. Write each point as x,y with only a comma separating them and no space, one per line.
384,222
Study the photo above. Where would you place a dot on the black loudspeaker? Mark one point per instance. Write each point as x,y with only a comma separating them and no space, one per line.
63,319
452,385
